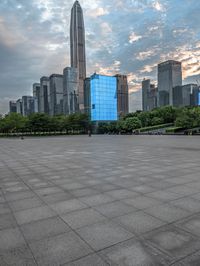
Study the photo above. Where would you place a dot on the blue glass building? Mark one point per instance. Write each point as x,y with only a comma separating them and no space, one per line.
103,98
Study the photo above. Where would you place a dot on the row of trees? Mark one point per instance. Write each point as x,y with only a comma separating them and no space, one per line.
186,118
14,123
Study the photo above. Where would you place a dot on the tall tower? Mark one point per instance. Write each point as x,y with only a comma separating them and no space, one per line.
77,45
169,76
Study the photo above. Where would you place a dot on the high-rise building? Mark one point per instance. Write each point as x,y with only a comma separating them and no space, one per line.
29,105
87,96
186,95
70,90
122,95
36,93
19,106
12,107
149,95
44,95
103,98
195,99
169,76
56,94
77,47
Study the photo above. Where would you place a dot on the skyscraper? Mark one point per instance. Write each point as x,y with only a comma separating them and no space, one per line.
36,93
122,95
103,103
44,95
149,95
29,105
77,46
169,76
56,94
70,90
12,107
19,106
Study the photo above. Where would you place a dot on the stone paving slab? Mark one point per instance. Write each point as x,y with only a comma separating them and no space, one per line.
105,200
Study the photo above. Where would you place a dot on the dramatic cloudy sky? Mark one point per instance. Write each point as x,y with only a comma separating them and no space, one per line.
127,36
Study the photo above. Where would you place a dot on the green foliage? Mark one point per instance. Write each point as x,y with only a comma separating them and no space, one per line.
146,129
188,118
13,123
38,122
156,119
132,123
173,129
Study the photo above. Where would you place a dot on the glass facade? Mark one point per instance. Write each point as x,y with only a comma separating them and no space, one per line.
103,98
199,99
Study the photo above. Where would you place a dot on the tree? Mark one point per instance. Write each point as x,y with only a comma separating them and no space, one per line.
39,122
132,123
13,123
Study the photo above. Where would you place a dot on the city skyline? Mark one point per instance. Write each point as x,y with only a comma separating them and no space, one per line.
34,43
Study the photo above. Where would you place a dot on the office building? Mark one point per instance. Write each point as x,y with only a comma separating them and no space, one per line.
103,98
19,106
44,95
12,107
169,76
195,100
70,90
36,93
149,95
29,105
87,96
186,95
77,48
122,95
56,94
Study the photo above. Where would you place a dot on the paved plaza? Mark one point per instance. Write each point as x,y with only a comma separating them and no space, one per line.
104,200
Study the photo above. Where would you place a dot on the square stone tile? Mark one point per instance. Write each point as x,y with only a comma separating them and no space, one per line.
44,228
24,204
53,198
173,241
91,260
59,249
164,195
142,202
96,199
184,190
10,239
191,224
20,256
84,192
114,209
139,222
191,260
48,191
7,220
68,206
120,193
34,214
187,204
104,234
4,208
82,218
134,253
167,213
19,195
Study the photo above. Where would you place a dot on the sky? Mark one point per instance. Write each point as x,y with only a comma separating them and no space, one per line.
122,36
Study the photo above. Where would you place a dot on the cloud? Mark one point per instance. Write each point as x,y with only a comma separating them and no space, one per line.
134,37
158,6
97,12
